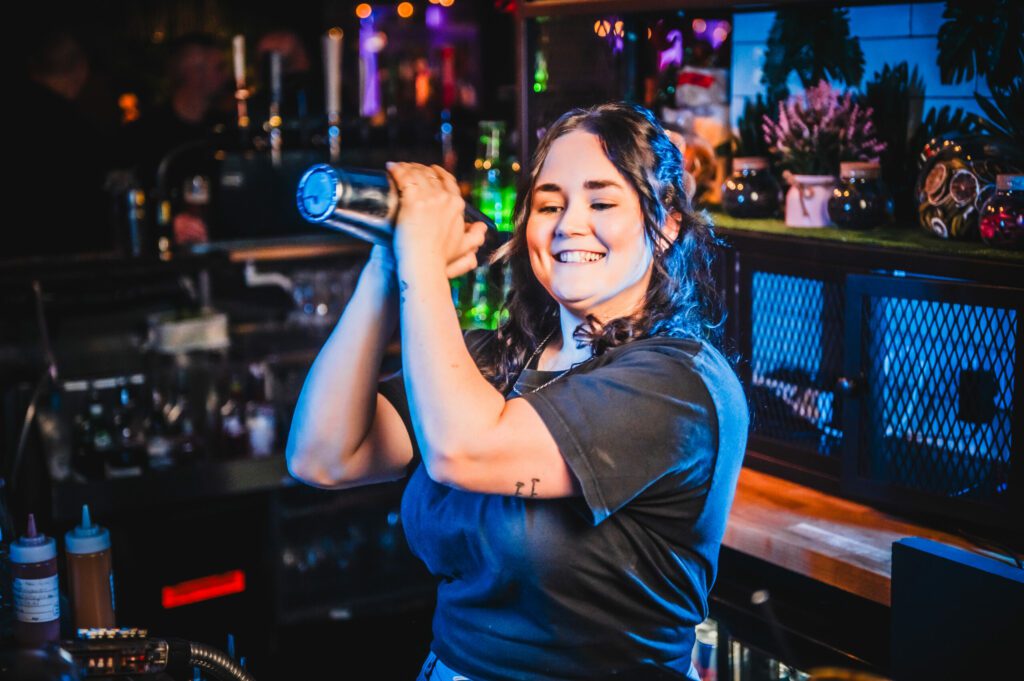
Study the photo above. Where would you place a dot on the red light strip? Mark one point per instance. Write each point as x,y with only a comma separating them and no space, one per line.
203,589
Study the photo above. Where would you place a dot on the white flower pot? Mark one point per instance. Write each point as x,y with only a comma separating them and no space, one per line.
807,200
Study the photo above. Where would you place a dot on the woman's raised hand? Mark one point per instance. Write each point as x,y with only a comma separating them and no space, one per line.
430,226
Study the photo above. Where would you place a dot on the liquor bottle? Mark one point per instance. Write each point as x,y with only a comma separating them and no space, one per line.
500,312
480,315
493,177
260,416
100,427
128,454
234,438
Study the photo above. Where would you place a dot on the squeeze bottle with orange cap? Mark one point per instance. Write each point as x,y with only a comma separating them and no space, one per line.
90,574
36,598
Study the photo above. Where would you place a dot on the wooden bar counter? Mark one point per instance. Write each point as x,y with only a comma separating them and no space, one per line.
832,540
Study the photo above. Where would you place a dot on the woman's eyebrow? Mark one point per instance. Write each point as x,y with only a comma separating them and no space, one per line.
589,184
601,184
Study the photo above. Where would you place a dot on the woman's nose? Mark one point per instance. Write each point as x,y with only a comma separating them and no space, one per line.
575,220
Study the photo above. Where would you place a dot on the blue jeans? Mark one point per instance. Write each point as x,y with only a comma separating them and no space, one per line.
435,670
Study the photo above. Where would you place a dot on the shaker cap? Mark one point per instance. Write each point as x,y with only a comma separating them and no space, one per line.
318,193
33,547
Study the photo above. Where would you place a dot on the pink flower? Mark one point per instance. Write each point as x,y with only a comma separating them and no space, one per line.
819,128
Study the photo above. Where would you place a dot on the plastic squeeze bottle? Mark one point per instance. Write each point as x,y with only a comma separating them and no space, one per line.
36,597
90,574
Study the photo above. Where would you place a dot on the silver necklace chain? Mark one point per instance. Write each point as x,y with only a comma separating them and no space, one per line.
536,352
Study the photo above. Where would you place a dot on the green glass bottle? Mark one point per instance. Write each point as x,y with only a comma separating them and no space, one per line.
494,179
459,286
500,313
480,315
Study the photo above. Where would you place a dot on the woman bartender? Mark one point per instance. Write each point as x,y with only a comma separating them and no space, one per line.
571,472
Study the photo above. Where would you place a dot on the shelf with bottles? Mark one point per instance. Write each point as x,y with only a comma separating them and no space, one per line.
903,251
891,236
191,426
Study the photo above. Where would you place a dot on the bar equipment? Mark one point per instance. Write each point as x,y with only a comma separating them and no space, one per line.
241,90
360,202
332,70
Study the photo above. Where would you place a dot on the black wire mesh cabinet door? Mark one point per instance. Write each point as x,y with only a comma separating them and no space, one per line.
791,336
932,370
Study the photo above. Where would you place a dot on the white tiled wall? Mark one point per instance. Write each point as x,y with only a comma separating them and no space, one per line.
888,34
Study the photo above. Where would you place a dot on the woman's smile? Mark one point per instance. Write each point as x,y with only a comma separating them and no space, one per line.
578,257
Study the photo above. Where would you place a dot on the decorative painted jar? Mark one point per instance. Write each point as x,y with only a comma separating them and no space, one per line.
1002,216
957,176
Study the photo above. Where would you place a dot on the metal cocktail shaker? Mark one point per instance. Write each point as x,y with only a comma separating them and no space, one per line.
359,202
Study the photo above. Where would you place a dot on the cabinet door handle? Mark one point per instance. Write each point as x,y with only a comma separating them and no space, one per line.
847,386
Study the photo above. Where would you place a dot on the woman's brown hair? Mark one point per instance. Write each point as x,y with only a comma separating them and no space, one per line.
681,299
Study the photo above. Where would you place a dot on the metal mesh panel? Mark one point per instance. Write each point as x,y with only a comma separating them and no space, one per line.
940,405
796,357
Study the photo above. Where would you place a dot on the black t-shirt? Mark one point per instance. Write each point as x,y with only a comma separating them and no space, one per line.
610,584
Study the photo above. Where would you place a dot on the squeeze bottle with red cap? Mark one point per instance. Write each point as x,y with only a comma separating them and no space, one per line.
90,574
36,599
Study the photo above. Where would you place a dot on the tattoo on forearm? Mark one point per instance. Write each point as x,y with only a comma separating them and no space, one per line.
402,286
533,487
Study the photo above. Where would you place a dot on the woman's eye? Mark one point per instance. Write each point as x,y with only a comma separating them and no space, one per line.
602,206
549,209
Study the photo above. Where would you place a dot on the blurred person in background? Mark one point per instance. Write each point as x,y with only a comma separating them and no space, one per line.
61,157
180,131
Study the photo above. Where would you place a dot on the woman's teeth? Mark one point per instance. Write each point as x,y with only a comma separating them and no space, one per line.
579,256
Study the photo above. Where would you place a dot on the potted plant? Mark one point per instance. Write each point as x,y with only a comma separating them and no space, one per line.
813,133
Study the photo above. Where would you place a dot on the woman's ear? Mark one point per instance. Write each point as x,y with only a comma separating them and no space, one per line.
673,221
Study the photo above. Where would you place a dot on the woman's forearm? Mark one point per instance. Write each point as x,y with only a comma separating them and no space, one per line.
449,398
336,407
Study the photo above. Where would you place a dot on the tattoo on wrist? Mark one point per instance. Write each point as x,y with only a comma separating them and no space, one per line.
402,286
533,487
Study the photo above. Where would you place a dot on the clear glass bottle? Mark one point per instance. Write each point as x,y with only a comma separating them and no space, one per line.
260,416
234,439
1002,215
494,182
860,200
751,191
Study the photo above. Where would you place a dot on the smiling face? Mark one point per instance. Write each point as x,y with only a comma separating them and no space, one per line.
585,231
